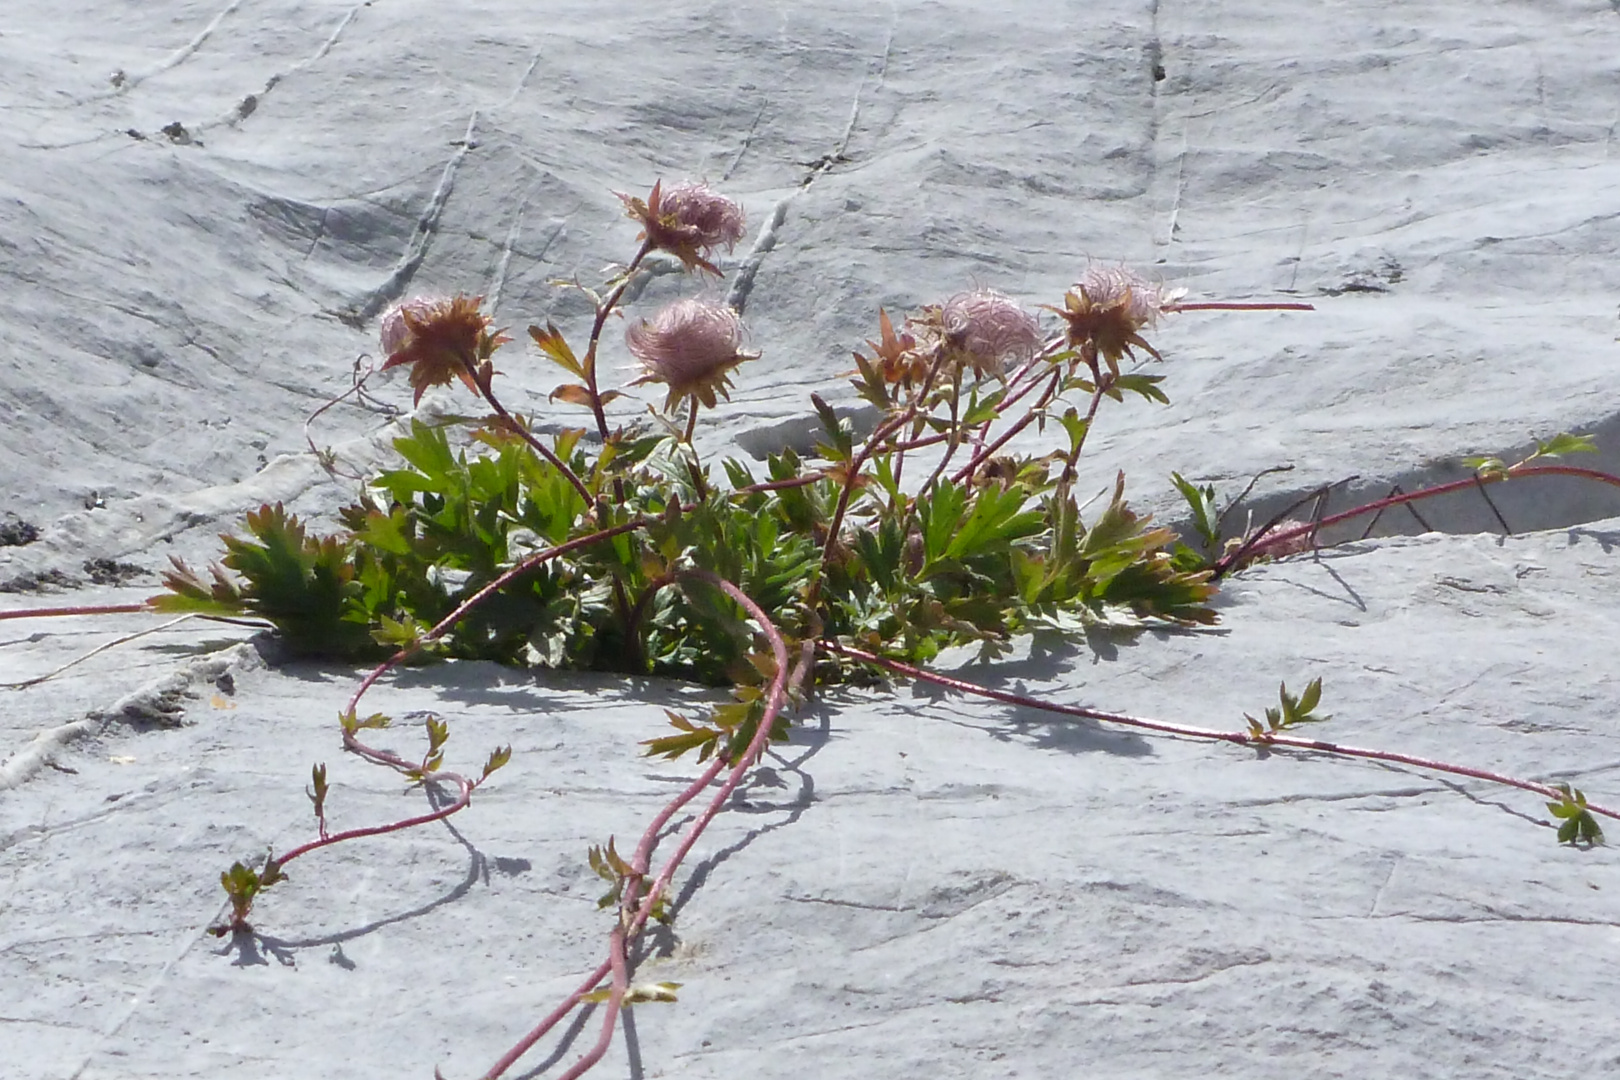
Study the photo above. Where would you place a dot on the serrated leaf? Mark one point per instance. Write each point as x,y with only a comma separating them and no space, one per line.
271,873
1487,468
552,343
650,992
1312,695
704,740
438,731
572,394
1565,443
317,790
1201,501
189,592
1076,426
239,881
982,411
841,446
1146,385
497,758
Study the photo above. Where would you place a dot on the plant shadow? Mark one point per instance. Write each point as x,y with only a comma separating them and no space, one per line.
1032,727
1607,539
247,944
784,785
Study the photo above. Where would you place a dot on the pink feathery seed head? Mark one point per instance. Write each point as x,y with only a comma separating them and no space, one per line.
688,221
991,327
440,340
1139,300
713,218
691,347
393,333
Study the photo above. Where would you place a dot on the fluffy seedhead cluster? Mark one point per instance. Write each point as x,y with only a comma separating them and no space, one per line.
986,330
1107,310
689,221
441,340
691,347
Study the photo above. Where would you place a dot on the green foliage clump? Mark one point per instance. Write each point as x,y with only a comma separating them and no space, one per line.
835,545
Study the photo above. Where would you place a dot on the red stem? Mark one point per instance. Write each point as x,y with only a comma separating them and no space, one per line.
511,1057
775,699
1226,563
602,311
626,929
464,796
382,757
1223,305
618,963
985,453
93,609
1242,738
522,432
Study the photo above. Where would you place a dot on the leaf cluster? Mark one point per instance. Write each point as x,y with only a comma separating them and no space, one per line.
610,866
831,545
1291,711
1579,828
242,885
1560,445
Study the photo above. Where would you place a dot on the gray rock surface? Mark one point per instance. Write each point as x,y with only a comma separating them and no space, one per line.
204,206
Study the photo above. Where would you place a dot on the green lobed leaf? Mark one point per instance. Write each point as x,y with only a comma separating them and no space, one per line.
317,790
1201,502
1564,443
497,758
1146,385
554,346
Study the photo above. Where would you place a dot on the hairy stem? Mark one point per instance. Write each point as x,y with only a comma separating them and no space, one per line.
1091,414
883,431
984,454
603,310
521,430
953,438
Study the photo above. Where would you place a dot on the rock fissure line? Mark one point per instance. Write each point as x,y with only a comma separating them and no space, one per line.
742,283
426,225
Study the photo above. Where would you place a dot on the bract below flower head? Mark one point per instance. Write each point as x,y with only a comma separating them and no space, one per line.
439,339
990,329
1107,310
689,221
691,346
